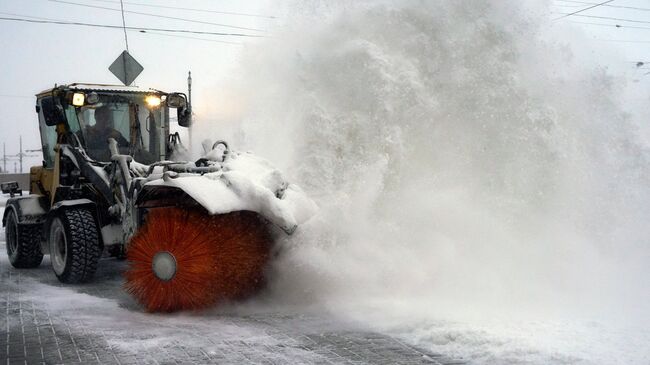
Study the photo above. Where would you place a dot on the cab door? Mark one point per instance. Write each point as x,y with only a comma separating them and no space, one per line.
43,180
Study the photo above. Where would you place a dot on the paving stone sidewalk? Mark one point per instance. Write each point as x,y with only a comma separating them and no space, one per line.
101,325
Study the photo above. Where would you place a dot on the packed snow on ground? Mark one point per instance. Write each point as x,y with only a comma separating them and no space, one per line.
510,340
109,314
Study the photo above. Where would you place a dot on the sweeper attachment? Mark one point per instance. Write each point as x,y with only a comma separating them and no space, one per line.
193,233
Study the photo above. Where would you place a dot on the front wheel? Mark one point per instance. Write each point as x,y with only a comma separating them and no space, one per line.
74,245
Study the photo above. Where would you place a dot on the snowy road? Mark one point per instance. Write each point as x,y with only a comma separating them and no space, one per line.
44,321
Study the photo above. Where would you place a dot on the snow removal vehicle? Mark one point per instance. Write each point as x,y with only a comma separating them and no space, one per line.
193,233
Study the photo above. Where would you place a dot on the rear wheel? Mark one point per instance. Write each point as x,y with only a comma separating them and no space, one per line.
23,243
74,245
190,260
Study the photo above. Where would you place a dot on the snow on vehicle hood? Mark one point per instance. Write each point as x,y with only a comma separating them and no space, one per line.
244,181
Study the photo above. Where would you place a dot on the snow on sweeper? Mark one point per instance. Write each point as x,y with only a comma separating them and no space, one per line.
193,233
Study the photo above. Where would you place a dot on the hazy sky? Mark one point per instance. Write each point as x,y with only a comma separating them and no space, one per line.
36,56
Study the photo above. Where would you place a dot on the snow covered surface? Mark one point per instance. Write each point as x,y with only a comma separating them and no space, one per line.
245,182
514,339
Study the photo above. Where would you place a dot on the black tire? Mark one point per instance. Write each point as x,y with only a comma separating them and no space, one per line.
74,245
23,243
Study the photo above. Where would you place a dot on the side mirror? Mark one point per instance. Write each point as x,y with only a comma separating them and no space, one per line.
176,100
53,111
11,188
183,110
184,116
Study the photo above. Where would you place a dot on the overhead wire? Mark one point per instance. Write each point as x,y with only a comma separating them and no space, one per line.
61,22
585,9
192,9
126,39
158,15
623,40
15,96
187,37
612,18
141,31
27,16
612,25
604,5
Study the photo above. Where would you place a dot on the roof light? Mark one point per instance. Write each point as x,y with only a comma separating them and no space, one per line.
153,101
78,99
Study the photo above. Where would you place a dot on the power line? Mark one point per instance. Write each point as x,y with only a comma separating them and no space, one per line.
195,38
28,16
61,22
194,9
612,18
603,24
612,25
139,31
585,9
605,5
568,5
126,39
623,40
15,96
157,15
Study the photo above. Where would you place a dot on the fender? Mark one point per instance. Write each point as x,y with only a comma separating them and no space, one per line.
31,209
72,203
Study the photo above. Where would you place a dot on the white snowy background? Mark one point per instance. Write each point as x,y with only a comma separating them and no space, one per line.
481,173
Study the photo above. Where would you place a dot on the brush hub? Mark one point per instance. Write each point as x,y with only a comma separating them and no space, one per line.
164,265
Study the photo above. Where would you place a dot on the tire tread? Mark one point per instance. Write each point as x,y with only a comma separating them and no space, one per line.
28,253
81,231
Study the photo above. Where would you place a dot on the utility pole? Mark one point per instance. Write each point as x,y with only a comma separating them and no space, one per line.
4,157
189,89
189,102
20,156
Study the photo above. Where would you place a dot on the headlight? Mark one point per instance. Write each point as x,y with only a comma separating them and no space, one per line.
152,101
78,99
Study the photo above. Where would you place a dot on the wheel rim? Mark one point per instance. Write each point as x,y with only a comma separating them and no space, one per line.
12,236
58,248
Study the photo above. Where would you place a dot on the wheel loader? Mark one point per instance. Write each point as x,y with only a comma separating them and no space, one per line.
111,184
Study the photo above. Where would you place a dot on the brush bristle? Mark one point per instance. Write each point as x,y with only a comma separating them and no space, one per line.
218,258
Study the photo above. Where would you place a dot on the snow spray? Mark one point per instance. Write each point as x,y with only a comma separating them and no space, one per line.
466,160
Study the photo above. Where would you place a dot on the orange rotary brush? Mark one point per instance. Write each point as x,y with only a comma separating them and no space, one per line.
185,259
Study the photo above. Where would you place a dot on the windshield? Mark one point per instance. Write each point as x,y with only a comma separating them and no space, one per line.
138,128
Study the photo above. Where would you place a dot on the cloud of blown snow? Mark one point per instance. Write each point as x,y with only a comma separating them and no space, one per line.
468,160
